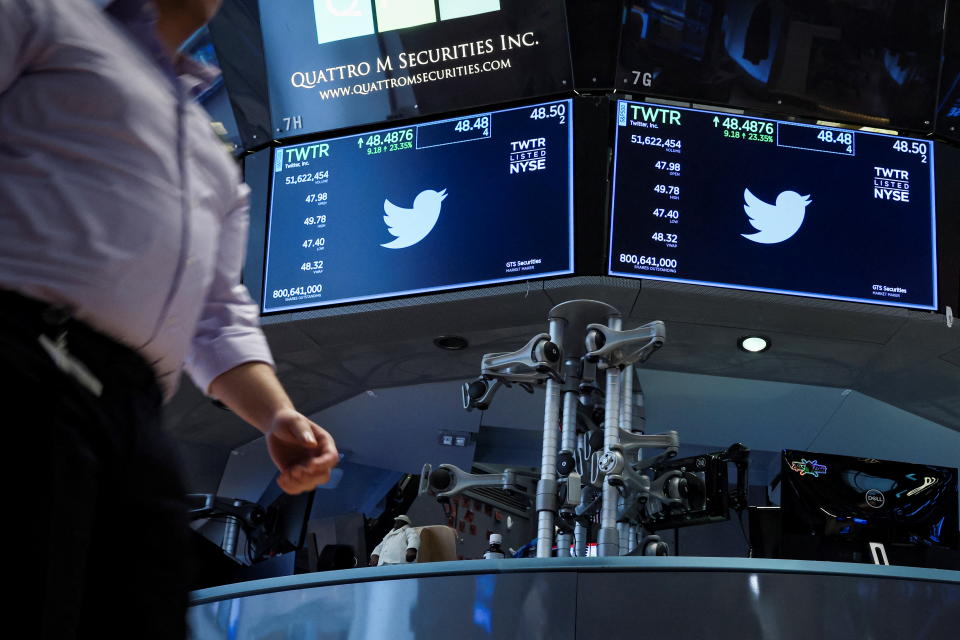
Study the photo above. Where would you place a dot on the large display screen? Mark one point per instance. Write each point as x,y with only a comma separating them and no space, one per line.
474,200
875,63
333,64
948,102
714,198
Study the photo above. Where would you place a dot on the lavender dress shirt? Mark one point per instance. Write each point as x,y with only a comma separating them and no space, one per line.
116,198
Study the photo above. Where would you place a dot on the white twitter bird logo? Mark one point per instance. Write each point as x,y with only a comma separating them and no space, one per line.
410,226
775,223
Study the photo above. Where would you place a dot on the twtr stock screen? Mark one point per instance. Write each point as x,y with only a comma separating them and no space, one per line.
749,203
481,199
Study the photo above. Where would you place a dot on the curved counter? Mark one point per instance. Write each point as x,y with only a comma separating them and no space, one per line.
567,598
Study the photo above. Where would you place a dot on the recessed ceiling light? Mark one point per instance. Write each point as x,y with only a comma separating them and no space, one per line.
754,344
451,343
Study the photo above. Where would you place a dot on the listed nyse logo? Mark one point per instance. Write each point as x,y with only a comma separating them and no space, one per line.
891,184
774,222
342,19
410,226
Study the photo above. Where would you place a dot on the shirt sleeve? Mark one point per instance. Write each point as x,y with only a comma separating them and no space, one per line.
377,549
228,333
18,38
413,539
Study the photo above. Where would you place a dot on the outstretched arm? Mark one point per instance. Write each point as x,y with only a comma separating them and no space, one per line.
302,450
230,361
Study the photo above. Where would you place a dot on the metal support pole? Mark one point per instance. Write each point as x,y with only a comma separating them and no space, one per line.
626,406
580,541
628,532
547,487
568,439
623,531
564,540
608,542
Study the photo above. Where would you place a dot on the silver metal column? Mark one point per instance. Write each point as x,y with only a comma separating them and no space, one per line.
580,541
568,442
608,542
628,532
547,487
626,407
623,532
568,438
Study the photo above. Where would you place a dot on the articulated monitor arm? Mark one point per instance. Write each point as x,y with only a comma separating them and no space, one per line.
449,480
533,363
613,348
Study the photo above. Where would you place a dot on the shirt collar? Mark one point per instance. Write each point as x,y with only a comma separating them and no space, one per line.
139,19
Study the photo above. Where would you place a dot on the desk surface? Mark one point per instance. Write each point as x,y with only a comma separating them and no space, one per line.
581,565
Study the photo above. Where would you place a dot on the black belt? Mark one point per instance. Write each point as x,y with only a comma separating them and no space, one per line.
93,359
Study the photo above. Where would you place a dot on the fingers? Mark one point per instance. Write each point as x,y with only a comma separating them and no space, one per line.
324,439
298,480
308,475
304,452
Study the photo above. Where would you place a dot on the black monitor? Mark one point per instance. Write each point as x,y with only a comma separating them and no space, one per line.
875,63
474,200
743,202
948,101
834,506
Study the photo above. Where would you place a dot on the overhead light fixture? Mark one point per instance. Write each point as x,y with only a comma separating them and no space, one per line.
754,344
451,343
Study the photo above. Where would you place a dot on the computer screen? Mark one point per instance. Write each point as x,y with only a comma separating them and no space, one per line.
479,199
948,101
830,502
875,63
332,64
728,200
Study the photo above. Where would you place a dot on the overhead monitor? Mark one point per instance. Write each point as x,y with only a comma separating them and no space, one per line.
948,102
875,63
332,64
715,198
474,200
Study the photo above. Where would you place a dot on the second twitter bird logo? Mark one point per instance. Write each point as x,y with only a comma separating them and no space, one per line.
775,222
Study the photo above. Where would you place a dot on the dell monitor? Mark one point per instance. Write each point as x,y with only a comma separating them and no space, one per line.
833,507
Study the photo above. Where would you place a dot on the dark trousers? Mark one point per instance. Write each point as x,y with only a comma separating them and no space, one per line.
97,511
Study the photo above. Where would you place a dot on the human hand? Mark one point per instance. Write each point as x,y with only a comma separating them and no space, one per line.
411,555
303,451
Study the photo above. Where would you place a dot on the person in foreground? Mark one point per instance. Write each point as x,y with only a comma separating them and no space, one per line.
122,230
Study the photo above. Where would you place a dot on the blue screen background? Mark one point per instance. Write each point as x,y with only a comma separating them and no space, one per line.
849,240
490,216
